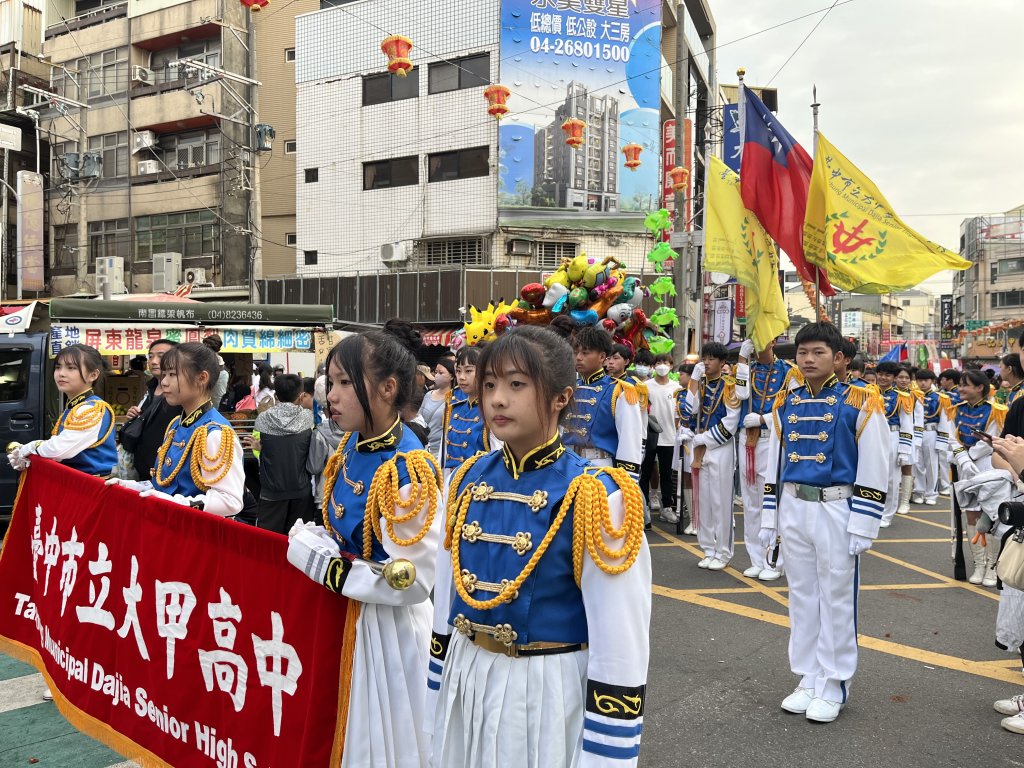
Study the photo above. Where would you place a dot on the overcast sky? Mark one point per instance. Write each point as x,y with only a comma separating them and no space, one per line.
924,97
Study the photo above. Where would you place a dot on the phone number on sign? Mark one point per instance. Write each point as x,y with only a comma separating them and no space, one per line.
580,48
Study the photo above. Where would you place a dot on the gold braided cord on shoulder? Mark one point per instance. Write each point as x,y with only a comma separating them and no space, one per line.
906,401
628,390
87,415
209,470
947,406
592,519
331,470
455,499
998,415
384,498
730,393
510,589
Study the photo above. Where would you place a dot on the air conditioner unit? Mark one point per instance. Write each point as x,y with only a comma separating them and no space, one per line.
166,272
142,75
148,166
110,269
195,276
92,166
520,247
69,165
143,140
396,253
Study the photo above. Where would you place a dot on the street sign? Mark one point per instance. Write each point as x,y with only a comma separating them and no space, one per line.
10,137
973,325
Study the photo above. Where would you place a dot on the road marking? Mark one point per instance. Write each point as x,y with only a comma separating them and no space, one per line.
912,541
976,668
21,692
936,576
943,526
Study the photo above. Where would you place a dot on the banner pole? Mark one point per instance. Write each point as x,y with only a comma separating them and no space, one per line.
817,272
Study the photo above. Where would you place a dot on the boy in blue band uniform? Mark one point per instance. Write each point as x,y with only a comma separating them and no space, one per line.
758,386
899,414
926,468
949,395
711,400
605,426
825,492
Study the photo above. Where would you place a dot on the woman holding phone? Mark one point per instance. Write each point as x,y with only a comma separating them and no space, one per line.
975,421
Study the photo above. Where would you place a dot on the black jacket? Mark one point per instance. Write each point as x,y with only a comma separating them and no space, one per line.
156,416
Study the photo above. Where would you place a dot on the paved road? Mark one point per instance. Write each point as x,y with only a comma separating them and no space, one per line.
929,671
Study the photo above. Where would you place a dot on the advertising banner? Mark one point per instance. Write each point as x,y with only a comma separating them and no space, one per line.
129,339
722,332
732,140
176,637
30,230
593,61
946,319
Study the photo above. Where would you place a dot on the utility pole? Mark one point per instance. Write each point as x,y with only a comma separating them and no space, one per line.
680,83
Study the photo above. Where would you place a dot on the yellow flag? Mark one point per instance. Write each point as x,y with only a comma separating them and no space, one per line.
736,244
851,231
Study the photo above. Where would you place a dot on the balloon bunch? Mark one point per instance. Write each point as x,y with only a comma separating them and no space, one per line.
589,292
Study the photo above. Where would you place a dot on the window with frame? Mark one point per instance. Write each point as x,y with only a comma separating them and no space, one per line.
550,253
291,239
310,258
109,238
385,87
105,73
312,175
290,147
439,253
190,233
15,365
457,74
396,172
461,164
206,51
65,245
113,148
191,150
289,55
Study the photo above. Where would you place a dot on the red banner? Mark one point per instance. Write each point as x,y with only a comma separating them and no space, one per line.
176,637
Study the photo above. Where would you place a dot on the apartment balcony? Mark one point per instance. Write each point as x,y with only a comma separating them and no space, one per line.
168,108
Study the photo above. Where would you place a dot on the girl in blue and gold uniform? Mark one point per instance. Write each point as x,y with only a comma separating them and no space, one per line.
973,416
464,432
542,607
200,461
83,437
381,503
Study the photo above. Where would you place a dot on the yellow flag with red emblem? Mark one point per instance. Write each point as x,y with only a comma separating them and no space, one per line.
851,231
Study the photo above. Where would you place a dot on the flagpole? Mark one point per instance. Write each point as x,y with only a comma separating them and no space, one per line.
814,149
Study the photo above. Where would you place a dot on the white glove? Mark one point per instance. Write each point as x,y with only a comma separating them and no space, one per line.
860,544
747,349
19,456
155,494
134,485
17,463
965,467
752,420
311,554
698,372
684,435
767,537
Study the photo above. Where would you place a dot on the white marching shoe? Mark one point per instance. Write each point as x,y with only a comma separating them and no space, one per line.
706,562
823,710
770,574
1013,724
978,553
992,556
689,530
717,564
752,572
930,502
1011,706
917,499
798,701
906,488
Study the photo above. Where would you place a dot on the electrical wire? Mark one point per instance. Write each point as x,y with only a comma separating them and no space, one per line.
801,45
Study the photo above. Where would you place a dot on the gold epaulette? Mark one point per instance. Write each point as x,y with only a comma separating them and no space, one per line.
918,394
87,415
998,415
455,498
384,500
906,401
780,398
643,395
947,406
729,395
209,470
863,399
588,499
627,390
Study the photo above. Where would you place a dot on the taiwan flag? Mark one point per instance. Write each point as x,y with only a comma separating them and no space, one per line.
775,174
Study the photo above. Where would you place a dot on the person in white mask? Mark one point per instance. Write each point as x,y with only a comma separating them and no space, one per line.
661,392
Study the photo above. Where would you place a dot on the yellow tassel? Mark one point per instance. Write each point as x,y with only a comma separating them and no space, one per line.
730,393
331,471
592,521
628,390
999,412
384,499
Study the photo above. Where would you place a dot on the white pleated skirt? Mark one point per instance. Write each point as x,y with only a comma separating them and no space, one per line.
386,720
493,710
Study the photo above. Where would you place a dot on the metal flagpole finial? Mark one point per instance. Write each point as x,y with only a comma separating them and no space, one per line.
741,72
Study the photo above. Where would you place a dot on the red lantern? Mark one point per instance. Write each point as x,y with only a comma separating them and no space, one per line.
573,128
255,5
632,154
680,178
396,48
496,96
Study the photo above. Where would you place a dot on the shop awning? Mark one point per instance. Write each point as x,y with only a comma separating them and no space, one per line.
437,336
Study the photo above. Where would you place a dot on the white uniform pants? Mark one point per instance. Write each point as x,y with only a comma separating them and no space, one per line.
753,501
714,502
892,499
823,582
926,468
945,486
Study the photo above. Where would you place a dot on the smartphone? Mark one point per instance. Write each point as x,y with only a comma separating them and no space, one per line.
980,434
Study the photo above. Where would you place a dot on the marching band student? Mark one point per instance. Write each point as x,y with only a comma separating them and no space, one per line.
974,417
605,425
381,502
758,386
856,371
711,400
926,468
464,433
904,382
899,414
547,663
200,462
1011,371
949,394
83,437
825,497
